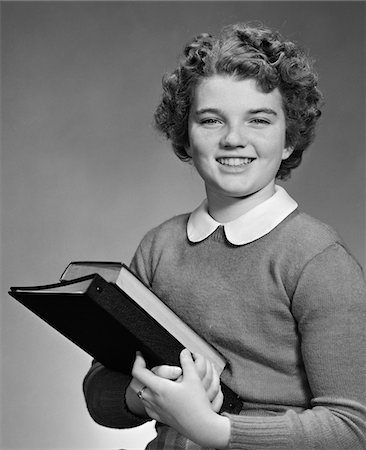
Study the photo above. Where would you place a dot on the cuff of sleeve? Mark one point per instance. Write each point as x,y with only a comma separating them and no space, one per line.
265,433
133,417
104,392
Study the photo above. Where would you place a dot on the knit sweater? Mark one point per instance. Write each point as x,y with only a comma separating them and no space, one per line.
287,310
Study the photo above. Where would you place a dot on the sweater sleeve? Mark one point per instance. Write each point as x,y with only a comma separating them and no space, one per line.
104,392
329,305
104,389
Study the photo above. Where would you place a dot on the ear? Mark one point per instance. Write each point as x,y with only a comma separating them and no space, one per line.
286,152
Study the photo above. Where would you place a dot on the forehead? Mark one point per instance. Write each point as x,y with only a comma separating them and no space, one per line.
220,92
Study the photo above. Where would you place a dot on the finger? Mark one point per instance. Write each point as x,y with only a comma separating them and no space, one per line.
139,361
217,402
168,372
200,363
215,386
144,375
207,381
138,364
187,363
136,385
204,369
179,379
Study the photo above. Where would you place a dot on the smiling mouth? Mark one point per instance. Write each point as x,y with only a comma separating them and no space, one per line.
235,162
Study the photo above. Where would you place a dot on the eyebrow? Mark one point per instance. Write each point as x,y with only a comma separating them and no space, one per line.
251,111
208,110
263,110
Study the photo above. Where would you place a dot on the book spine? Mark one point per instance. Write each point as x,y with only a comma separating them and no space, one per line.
157,344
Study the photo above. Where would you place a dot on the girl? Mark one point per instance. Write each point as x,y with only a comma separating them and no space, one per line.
274,290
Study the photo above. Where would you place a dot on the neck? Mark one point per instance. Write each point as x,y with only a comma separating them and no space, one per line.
226,209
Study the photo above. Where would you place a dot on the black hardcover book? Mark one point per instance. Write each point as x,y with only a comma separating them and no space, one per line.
112,320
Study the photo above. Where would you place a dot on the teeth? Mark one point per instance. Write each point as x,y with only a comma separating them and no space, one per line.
235,161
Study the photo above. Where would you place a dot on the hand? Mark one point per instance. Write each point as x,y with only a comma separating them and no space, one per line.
183,405
210,379
206,371
133,402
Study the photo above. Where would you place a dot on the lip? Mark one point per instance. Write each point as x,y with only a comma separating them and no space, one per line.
234,169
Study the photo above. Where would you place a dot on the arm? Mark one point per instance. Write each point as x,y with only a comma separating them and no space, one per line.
329,306
104,392
112,400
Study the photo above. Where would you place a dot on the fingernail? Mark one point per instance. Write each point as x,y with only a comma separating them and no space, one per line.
177,371
186,353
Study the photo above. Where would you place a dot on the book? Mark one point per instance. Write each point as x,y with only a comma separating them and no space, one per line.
106,269
105,309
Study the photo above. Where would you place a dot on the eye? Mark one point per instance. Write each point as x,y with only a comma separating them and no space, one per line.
260,121
210,121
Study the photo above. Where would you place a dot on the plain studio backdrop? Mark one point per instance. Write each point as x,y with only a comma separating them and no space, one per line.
84,174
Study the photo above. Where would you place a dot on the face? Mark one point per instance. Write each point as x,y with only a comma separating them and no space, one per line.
237,137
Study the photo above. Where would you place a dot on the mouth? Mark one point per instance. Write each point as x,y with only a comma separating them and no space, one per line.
235,162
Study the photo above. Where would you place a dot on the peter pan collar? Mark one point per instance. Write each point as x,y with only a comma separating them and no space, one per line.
252,225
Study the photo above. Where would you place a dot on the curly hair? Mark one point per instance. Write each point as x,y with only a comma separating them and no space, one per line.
244,51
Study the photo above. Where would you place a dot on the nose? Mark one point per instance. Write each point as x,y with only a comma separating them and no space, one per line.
233,137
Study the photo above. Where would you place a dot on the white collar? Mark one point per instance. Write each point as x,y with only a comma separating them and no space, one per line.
252,225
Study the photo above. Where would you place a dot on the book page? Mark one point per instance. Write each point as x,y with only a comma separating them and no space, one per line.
144,297
68,288
108,270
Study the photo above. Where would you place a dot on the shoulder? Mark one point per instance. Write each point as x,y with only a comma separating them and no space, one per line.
325,244
308,234
168,227
300,238
306,248
329,276
169,231
162,239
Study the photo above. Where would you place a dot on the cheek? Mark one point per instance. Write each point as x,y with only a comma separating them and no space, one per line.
272,148
200,148
203,164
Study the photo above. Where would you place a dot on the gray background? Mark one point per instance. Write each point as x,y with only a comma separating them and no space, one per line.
84,175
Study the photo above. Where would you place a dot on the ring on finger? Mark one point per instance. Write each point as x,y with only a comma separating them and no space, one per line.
140,392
